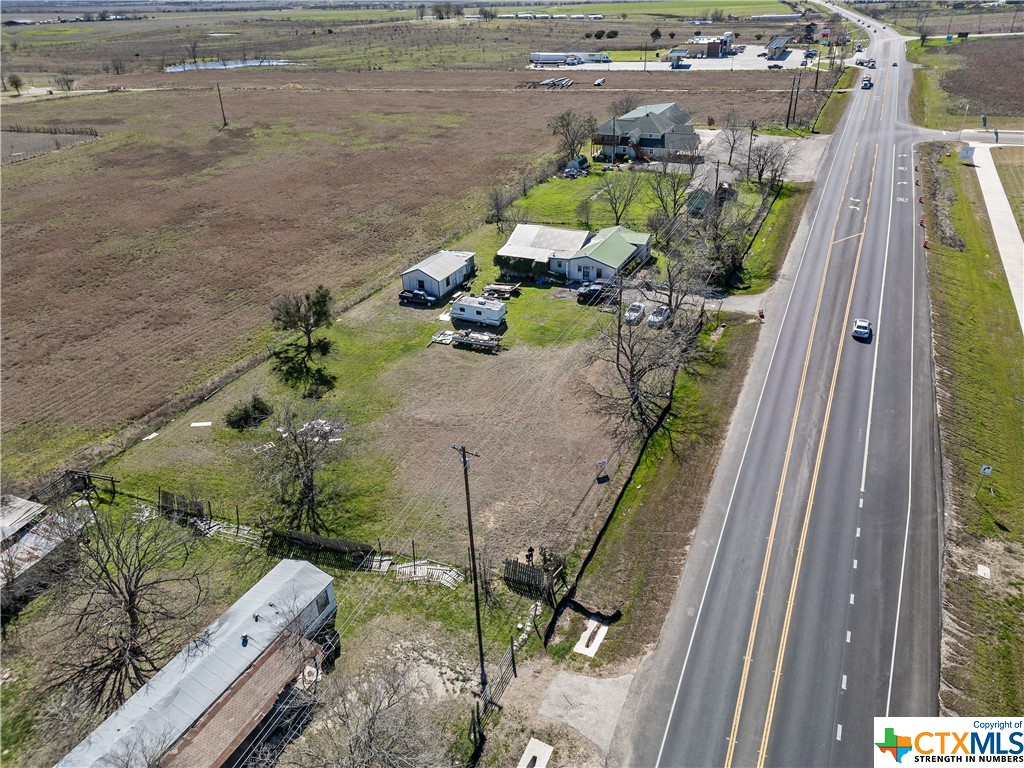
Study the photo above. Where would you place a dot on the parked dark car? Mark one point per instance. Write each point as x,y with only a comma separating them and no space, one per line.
774,66
592,293
416,297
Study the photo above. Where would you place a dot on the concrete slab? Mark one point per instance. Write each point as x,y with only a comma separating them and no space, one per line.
591,705
201,424
536,755
598,630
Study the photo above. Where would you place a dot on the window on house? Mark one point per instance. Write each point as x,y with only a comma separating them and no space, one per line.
321,602
448,281
422,285
559,264
479,312
600,273
579,267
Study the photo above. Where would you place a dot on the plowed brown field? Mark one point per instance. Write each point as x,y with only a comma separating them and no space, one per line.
144,262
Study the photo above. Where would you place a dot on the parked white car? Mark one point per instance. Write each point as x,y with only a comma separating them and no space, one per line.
635,313
659,316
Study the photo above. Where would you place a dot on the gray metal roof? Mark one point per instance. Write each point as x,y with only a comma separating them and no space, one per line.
16,513
170,703
537,242
442,264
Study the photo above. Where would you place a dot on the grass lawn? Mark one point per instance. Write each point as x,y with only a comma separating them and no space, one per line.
1010,164
652,524
979,351
772,242
930,106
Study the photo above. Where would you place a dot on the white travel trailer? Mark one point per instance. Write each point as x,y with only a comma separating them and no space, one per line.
473,309
588,57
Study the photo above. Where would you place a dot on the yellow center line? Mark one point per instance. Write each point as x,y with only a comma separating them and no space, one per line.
763,751
748,655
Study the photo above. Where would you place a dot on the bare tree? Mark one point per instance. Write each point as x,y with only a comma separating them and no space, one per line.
573,132
668,189
62,719
768,160
625,103
643,364
733,133
373,718
619,191
192,46
16,82
127,608
498,201
295,467
64,80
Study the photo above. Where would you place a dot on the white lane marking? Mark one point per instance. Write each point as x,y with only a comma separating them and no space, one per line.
855,565
861,505
739,471
847,635
839,731
844,682
878,325
910,477
851,598
858,533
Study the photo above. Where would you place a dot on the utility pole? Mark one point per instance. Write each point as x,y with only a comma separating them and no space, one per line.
750,146
796,97
817,69
222,106
789,107
472,559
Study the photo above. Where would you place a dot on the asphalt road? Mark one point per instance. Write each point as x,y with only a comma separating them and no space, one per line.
810,600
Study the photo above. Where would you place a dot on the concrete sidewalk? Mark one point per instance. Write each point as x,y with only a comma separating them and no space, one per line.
1004,224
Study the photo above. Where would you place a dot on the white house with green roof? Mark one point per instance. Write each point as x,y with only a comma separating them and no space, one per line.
609,252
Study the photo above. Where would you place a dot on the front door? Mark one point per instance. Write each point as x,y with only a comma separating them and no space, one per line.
586,273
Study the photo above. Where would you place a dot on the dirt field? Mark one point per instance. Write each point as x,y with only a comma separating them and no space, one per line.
142,263
977,82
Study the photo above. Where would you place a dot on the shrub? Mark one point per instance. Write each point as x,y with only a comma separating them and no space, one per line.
613,33
599,34
249,414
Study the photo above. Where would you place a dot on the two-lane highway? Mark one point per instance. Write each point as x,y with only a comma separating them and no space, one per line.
810,599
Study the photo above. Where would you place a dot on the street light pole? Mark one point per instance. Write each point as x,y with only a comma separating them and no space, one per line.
472,559
963,122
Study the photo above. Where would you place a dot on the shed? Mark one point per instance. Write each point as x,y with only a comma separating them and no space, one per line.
208,699
578,163
698,201
440,274
473,309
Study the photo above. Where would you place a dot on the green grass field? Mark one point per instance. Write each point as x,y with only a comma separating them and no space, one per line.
651,521
772,242
980,357
1010,163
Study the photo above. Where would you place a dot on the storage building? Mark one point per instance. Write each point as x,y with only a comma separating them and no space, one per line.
440,274
202,708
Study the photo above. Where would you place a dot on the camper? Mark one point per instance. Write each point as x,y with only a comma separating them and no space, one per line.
473,309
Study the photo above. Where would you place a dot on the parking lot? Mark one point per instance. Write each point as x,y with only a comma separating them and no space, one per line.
747,59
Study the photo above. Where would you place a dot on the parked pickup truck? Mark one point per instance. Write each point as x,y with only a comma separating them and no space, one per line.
416,297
